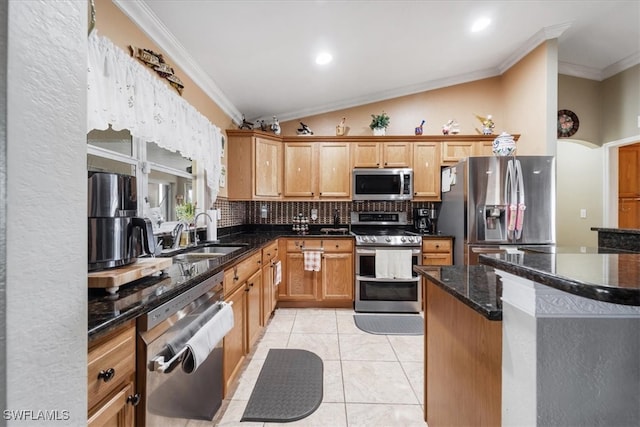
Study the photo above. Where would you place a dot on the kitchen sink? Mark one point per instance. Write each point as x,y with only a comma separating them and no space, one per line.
198,254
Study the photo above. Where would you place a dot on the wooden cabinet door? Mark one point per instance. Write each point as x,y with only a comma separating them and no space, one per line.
483,148
117,411
234,341
299,170
337,276
366,154
629,213
268,168
266,299
301,284
334,170
629,171
454,151
396,155
426,170
254,317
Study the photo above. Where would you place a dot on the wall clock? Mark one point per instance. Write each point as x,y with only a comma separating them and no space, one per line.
568,123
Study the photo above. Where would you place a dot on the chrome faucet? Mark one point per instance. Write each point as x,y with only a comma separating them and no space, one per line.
195,225
176,233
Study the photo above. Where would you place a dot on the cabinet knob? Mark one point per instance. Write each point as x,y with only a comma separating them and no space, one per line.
107,375
133,399
385,163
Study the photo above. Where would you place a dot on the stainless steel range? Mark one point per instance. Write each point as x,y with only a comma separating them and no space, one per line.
386,251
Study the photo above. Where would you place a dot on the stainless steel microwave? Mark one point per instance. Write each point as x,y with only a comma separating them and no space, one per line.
382,184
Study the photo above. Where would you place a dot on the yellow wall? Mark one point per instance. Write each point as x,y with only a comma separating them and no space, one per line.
583,97
621,105
517,100
460,102
528,108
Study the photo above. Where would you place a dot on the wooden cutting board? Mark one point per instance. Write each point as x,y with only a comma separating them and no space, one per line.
112,279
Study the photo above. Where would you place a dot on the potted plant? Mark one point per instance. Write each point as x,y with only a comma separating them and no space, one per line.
379,123
186,212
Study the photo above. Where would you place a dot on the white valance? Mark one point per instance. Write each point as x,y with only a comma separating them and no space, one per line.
122,92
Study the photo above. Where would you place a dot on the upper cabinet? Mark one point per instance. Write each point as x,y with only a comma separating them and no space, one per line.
317,170
373,154
254,166
457,147
264,166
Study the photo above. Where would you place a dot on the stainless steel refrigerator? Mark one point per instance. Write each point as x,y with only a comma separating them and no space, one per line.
495,204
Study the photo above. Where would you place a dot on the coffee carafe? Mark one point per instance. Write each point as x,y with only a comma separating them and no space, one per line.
421,220
116,236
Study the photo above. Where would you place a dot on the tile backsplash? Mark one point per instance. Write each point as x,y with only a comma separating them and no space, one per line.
238,213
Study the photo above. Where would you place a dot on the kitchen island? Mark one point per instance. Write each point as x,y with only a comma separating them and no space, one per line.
570,349
463,345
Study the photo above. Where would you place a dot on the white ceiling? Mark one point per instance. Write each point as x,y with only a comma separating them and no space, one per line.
257,57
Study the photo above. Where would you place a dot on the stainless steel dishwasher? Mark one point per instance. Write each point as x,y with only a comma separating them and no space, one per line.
168,392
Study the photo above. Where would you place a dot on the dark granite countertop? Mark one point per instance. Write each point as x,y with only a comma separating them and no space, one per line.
107,312
477,286
607,277
617,230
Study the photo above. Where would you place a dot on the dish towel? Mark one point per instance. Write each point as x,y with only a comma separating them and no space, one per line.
393,264
312,260
278,274
207,337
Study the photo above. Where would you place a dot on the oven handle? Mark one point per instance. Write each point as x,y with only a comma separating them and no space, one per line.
363,251
374,279
158,364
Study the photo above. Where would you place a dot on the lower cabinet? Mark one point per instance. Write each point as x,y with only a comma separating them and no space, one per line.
270,257
234,341
332,286
111,379
242,288
437,251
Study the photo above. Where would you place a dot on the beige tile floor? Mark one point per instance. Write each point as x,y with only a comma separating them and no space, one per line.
369,380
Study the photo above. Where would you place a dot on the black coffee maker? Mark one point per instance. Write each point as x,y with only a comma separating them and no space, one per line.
425,220
116,236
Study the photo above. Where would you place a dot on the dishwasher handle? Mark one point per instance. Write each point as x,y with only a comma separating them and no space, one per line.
158,363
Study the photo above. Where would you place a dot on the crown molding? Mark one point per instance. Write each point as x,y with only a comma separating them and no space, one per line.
547,33
384,95
581,71
621,65
155,29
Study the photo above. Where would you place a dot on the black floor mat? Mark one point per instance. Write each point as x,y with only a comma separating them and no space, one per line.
385,324
288,388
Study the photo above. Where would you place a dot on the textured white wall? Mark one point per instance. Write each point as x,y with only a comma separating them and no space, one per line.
46,210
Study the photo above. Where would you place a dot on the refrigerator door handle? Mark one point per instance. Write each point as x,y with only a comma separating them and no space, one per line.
521,201
510,198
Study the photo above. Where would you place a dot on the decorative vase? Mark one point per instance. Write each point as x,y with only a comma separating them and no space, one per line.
379,131
504,145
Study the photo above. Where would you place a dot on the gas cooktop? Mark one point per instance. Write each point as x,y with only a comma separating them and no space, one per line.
383,229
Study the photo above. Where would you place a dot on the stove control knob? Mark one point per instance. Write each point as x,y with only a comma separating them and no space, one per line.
373,239
402,239
388,239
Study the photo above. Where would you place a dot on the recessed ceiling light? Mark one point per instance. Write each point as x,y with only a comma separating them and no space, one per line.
480,24
324,58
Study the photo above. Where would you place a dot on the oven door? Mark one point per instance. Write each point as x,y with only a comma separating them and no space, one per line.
385,295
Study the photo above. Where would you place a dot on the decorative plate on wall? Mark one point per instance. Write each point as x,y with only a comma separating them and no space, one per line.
568,123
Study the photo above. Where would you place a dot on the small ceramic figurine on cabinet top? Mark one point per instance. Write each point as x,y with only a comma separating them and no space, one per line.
487,125
275,126
340,129
419,128
304,130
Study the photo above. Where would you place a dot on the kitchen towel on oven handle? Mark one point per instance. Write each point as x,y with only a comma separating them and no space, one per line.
207,337
277,278
393,263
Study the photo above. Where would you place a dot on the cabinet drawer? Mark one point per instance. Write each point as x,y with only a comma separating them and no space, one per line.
240,272
327,245
436,245
112,360
269,252
436,259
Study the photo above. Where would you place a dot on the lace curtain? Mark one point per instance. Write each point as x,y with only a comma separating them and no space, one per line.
123,93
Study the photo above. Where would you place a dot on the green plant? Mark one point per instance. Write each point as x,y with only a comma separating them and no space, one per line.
380,121
186,212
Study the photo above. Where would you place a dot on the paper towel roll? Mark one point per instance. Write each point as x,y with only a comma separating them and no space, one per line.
212,226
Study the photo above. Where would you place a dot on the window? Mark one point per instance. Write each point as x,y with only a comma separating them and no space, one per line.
163,177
